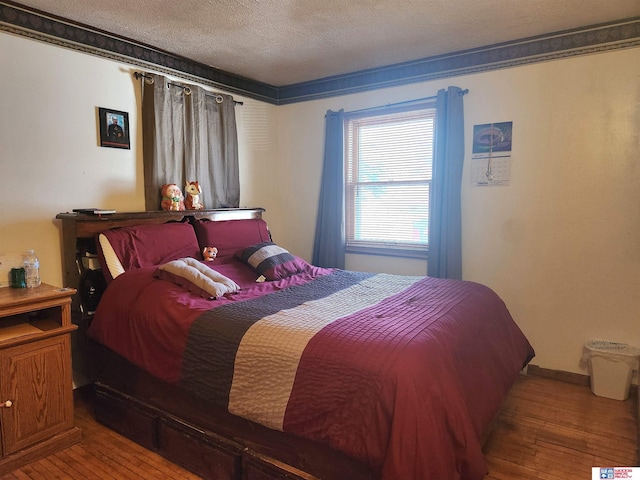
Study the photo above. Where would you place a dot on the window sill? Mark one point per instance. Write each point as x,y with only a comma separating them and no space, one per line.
388,252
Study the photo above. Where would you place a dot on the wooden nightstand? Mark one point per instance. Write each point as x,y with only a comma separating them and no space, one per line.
36,391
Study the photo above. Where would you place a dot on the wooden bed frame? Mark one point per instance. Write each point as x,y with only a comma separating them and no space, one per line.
198,436
203,438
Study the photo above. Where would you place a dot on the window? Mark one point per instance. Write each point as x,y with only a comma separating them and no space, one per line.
389,157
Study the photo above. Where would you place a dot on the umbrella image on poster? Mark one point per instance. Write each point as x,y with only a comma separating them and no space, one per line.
491,154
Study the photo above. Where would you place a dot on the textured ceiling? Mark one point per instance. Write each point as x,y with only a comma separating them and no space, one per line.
282,42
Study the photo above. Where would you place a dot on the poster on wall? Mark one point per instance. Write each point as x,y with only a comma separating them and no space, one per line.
491,154
114,128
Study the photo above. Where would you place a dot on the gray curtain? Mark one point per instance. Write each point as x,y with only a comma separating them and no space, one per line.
328,247
445,216
189,137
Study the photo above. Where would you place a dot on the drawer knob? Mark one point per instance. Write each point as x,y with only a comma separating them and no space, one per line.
7,404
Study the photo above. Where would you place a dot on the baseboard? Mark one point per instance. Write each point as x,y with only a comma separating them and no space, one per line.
568,377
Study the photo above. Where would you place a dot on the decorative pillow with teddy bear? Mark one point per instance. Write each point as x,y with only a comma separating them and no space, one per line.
230,235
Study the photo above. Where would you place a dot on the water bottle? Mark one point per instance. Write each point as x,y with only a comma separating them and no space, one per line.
32,269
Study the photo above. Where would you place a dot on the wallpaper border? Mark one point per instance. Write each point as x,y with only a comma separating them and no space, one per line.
20,20
589,40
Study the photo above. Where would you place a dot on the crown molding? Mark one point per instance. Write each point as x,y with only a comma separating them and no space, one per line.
26,22
588,40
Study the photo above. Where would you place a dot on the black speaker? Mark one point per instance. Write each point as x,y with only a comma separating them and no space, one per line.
92,284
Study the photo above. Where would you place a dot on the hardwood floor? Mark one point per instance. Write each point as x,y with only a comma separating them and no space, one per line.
546,430
557,431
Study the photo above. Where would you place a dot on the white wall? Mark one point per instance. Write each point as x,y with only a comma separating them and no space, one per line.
50,158
561,244
50,161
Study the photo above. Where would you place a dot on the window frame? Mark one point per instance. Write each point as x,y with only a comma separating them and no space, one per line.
371,247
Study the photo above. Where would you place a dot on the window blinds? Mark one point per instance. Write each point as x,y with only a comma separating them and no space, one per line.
388,177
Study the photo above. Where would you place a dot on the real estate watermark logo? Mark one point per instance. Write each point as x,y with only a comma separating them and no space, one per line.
615,472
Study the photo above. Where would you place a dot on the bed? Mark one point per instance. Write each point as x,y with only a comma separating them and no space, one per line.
259,365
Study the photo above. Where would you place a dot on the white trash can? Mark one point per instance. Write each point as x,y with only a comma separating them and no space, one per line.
610,367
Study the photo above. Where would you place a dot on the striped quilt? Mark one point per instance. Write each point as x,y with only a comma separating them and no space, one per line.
403,373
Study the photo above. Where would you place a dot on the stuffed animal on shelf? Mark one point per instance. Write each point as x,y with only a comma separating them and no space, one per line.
209,253
193,191
172,198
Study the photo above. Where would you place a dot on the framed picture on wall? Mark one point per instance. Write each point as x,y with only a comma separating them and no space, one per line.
114,128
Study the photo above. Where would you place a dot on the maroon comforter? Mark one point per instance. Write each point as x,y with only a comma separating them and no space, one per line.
402,373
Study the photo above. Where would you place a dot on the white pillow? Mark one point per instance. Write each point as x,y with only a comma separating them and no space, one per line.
110,258
196,277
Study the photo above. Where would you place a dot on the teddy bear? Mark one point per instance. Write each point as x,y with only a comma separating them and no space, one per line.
172,198
193,192
209,253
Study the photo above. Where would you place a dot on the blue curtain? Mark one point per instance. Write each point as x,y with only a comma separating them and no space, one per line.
445,216
328,247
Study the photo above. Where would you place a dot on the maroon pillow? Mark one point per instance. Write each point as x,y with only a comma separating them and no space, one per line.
145,246
230,235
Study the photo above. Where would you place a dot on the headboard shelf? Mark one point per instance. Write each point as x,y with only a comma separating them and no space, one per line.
88,225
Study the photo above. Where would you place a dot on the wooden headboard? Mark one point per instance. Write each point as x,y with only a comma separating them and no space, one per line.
79,231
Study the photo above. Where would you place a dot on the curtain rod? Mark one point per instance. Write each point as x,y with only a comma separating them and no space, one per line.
424,99
187,90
